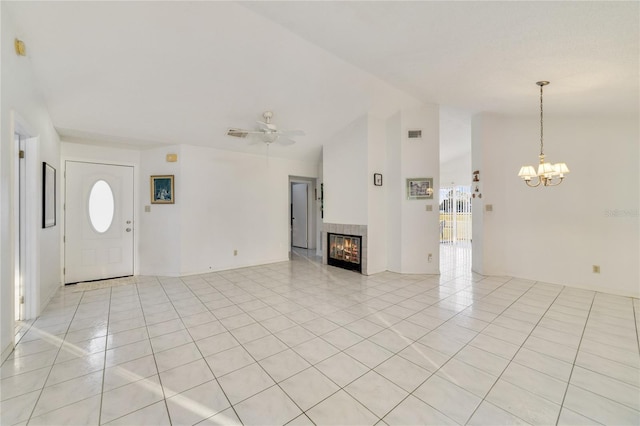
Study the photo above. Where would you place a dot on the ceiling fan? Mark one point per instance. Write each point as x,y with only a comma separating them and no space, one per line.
267,132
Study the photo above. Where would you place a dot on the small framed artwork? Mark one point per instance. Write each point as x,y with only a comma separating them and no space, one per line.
162,189
48,196
377,179
420,189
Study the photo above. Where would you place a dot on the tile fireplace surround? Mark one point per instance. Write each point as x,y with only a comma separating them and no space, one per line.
346,229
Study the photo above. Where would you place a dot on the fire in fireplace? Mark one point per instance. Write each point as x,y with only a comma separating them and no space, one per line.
344,251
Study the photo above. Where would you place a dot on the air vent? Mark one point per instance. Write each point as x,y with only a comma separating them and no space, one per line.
237,133
415,134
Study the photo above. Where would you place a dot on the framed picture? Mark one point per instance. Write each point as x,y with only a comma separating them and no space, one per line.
48,196
162,189
420,189
377,179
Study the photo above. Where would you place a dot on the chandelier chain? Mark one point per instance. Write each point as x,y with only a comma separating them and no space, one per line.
541,124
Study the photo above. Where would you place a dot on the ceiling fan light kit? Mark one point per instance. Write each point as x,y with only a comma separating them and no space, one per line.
548,174
267,131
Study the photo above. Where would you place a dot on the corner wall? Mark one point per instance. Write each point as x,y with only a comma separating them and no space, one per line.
413,231
556,234
21,97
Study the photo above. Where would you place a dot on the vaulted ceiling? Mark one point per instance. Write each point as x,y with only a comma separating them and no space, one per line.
149,73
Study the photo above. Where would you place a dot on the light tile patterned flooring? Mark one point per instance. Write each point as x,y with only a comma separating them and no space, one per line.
300,343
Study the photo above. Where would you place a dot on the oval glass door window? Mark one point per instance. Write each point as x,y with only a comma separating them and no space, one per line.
101,206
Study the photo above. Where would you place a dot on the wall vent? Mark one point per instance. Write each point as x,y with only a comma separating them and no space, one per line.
238,133
415,134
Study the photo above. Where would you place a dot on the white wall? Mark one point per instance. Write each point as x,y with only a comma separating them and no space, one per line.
557,234
225,201
455,146
21,97
456,171
159,229
345,172
377,198
420,158
395,197
413,232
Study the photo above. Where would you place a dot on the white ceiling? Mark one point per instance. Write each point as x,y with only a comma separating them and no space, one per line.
150,73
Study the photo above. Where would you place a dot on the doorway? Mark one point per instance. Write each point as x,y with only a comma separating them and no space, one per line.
299,214
455,229
99,228
20,265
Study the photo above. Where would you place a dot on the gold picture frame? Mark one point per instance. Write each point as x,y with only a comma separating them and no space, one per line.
162,189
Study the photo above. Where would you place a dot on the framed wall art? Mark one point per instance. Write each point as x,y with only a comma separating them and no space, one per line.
162,189
420,189
48,196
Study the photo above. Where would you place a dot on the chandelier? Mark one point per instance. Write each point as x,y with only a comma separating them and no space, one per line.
548,174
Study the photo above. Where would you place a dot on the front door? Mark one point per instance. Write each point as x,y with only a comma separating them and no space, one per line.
99,224
299,193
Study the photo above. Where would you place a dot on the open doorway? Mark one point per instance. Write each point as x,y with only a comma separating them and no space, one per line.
25,222
303,227
299,214
455,191
455,229
20,259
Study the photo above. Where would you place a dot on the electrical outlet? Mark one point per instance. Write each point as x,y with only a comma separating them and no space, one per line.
429,208
235,252
596,269
147,209
430,257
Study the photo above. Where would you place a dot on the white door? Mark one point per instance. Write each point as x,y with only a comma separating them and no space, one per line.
98,221
299,202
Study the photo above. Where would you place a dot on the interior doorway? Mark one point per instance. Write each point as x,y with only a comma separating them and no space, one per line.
455,229
299,214
304,215
20,265
25,221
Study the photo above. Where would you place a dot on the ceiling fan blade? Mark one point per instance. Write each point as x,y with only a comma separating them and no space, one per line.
242,133
292,132
285,141
266,126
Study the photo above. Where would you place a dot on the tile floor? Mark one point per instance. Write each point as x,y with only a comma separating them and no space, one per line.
300,343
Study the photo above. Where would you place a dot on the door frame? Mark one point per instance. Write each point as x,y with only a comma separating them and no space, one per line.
307,233
313,214
136,204
29,218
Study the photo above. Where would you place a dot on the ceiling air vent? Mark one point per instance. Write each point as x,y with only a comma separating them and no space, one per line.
237,133
415,134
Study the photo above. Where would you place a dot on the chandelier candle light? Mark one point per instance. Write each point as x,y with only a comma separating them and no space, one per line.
548,174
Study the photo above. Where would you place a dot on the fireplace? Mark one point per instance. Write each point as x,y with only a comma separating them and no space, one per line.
344,251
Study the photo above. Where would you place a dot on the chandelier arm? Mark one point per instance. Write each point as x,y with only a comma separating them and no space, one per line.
555,184
532,186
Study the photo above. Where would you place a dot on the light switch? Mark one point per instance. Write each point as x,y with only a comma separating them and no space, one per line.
429,208
147,209
489,207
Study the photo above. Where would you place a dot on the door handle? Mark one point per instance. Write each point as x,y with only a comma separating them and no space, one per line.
128,229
